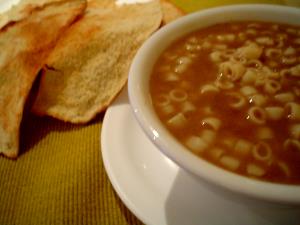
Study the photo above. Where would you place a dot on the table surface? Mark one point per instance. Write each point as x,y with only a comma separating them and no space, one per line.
59,177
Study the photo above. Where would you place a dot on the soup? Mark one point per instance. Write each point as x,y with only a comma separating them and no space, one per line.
230,93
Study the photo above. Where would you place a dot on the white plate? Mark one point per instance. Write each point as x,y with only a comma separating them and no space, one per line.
157,191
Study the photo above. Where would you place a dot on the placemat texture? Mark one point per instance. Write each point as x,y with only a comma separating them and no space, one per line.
193,5
59,177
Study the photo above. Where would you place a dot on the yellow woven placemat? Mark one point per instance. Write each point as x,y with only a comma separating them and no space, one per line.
59,177
193,5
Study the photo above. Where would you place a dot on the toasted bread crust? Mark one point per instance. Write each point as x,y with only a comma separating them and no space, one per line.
90,64
170,11
25,46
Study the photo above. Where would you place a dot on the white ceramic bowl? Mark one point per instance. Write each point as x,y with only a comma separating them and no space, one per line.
140,101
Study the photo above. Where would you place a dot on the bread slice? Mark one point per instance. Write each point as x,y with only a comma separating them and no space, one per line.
90,64
25,45
170,11
22,10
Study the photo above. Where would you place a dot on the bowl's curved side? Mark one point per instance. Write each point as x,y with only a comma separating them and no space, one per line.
140,100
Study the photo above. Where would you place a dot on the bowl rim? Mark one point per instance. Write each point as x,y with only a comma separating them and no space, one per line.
168,145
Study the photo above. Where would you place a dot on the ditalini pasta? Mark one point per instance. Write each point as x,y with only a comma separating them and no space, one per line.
230,94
